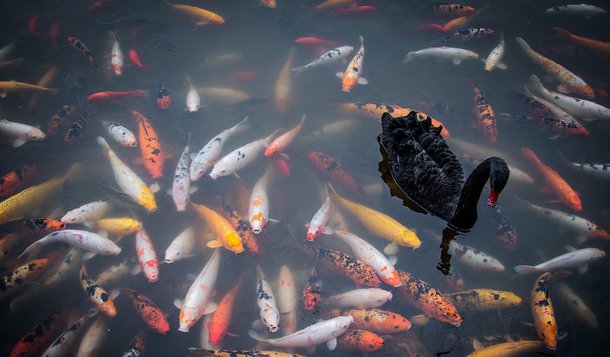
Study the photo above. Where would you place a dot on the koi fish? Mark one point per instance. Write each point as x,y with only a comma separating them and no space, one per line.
60,117
379,224
511,348
62,345
279,144
543,313
76,130
90,242
44,225
103,301
93,339
36,339
134,57
181,184
602,48
554,110
495,56
269,313
240,157
319,221
554,183
15,279
422,296
20,133
45,81
331,4
371,256
360,298
311,292
315,42
69,261
181,247
198,15
599,170
268,3
225,234
81,48
282,90
484,113
329,166
581,108
332,56
193,101
352,75
287,300
448,10
130,183
505,231
208,154
118,227
34,26
150,313
113,273
242,227
569,82
116,56
145,250
576,9
379,321
243,76
376,110
355,269
23,203
258,209
199,294
469,34
322,332
109,96
150,147
455,55
360,340
120,134
577,306
223,95
355,10
223,315
137,347
583,227
484,299
163,98
20,87
238,353
474,259
14,180
575,258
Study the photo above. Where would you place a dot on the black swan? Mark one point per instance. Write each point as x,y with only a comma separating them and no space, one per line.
426,170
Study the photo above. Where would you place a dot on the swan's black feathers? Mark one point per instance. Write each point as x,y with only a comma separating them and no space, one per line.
422,164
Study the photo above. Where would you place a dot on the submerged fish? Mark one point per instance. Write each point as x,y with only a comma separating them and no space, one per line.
484,299
573,259
353,74
543,312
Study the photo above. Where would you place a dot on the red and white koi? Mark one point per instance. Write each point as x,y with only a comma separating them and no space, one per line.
88,212
210,152
371,256
352,75
147,257
240,157
120,134
181,184
199,294
360,298
181,247
193,101
88,241
279,144
316,334
258,211
116,56
287,300
269,313
330,57
319,222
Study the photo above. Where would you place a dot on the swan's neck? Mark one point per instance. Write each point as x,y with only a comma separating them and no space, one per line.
465,215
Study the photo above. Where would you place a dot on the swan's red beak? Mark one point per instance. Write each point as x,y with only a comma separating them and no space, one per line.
493,198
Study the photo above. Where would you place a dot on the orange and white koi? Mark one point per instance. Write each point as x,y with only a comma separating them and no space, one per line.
150,313
44,225
569,82
543,313
88,241
279,144
360,298
554,183
221,318
422,296
352,75
319,221
282,91
32,343
150,147
486,119
181,247
242,227
225,234
311,292
116,56
145,250
103,301
199,294
287,300
24,273
379,321
258,210
240,157
267,307
371,256
120,134
360,340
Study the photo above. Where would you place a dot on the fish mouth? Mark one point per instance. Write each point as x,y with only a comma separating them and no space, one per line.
273,329
183,329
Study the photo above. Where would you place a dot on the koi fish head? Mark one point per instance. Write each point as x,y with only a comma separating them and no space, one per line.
234,242
407,238
312,233
186,321
572,199
35,134
342,323
272,149
148,201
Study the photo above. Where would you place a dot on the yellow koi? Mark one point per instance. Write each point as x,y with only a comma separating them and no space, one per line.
484,299
225,234
507,349
199,15
118,227
20,87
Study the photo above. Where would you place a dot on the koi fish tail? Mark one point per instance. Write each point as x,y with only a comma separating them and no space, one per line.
142,93
525,269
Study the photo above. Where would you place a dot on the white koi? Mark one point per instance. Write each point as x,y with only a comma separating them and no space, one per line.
210,152
181,185
455,55
93,338
181,247
353,72
495,56
575,258
116,56
319,221
113,273
145,250
269,313
71,259
360,298
577,306
89,212
332,56
193,101
120,134
62,345
599,170
576,9
20,133
88,241
287,300
473,258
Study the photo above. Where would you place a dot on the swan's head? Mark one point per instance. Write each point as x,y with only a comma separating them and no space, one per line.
498,179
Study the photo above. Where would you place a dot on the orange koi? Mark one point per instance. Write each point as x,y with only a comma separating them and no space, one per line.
360,340
242,227
484,113
379,321
104,96
427,299
329,166
150,147
542,312
150,313
355,269
602,48
555,184
223,314
134,57
280,143
15,180
32,343
311,292
44,225
26,272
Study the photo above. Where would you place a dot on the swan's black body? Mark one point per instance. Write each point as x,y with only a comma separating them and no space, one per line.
427,171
